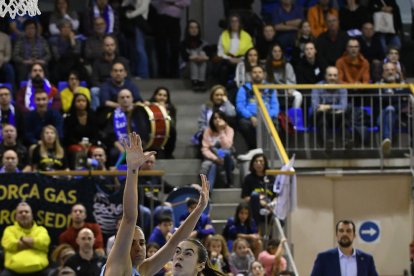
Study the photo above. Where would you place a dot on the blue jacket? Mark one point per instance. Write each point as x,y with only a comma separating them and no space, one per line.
109,91
246,105
327,264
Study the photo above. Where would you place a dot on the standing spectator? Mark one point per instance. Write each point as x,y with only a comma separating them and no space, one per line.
78,218
8,112
216,149
231,47
73,88
329,107
287,18
265,42
10,162
353,16
309,69
94,44
86,262
36,119
317,15
344,258
352,66
10,142
246,106
331,43
168,35
62,11
25,244
280,71
6,68
25,96
110,89
244,67
30,49
66,51
162,96
391,7
193,52
101,8
49,155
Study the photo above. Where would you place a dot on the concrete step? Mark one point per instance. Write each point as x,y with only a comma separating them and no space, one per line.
149,85
219,225
222,211
226,195
179,165
182,179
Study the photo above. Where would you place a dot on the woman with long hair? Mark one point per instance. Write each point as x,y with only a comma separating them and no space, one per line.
162,96
280,71
218,253
243,69
304,36
49,155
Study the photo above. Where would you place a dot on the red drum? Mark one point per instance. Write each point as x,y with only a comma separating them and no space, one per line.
178,199
152,123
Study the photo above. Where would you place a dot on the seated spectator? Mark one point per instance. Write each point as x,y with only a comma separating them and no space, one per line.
217,149
257,187
194,53
204,228
152,248
61,12
218,253
10,162
80,130
37,81
86,262
111,240
317,15
102,66
41,116
352,66
393,56
243,226
16,25
231,47
110,89
304,36
8,112
371,49
329,107
246,106
391,7
244,67
103,9
93,49
388,117
272,258
218,101
265,41
25,244
78,222
6,68
10,142
353,16
287,18
49,155
73,88
331,43
66,52
241,258
58,258
280,71
162,97
163,231
256,269
309,69
30,49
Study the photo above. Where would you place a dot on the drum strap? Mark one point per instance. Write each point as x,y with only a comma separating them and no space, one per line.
120,124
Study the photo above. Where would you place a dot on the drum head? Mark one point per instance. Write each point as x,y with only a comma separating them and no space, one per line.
178,198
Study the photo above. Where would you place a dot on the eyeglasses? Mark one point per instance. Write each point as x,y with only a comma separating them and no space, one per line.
4,94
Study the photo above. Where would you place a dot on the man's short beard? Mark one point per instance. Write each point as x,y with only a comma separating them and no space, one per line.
346,244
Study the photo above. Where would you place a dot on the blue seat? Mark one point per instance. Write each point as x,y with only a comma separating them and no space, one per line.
374,128
296,116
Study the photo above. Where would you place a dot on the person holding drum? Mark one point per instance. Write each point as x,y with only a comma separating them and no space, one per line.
216,148
133,262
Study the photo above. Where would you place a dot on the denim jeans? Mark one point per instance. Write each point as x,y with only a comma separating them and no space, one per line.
387,121
141,60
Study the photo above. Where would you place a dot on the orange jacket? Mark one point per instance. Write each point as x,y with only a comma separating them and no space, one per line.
353,71
317,21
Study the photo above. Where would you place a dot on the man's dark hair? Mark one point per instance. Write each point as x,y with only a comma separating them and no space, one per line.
345,221
191,201
29,22
165,219
5,87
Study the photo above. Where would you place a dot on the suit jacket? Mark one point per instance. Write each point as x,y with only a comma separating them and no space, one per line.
327,264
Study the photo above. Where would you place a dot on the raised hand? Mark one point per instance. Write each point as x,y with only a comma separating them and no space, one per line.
135,156
204,193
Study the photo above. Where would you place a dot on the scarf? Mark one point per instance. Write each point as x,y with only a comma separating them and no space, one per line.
108,15
278,63
120,124
29,95
12,120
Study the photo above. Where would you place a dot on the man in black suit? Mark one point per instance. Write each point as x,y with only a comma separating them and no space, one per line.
344,260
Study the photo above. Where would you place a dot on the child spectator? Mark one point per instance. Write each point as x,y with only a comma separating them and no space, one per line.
272,259
218,253
243,69
163,232
241,258
256,269
152,248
